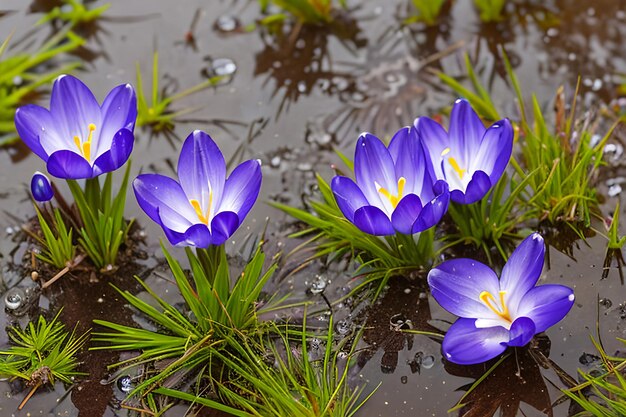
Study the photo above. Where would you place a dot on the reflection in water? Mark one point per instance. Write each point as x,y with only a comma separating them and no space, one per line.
515,381
297,64
403,307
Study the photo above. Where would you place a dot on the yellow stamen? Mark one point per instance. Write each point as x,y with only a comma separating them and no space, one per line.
455,165
393,199
85,147
487,298
196,206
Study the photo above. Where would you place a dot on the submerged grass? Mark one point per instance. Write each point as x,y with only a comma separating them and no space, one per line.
41,354
304,11
74,12
605,394
428,11
272,376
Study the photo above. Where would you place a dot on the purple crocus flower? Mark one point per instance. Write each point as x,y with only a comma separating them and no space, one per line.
78,138
40,187
204,208
393,189
495,314
469,157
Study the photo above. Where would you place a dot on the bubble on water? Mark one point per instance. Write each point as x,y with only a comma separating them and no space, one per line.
399,322
343,327
318,285
613,151
227,23
605,302
221,68
125,383
428,361
14,298
315,343
404,379
615,185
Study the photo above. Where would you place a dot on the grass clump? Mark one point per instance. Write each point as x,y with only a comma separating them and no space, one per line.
279,376
304,11
214,308
41,354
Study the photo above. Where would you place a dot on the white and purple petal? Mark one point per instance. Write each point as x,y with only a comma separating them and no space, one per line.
373,168
373,220
33,123
165,202
434,139
521,332
69,165
117,154
406,214
40,187
433,210
241,189
457,284
223,226
546,305
476,189
74,107
409,160
348,196
466,130
465,344
523,269
202,170
119,110
494,152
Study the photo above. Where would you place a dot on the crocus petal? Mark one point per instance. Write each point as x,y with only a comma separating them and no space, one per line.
33,123
523,269
433,211
223,226
466,131
348,195
69,165
119,152
119,110
406,213
494,151
476,189
197,235
373,165
434,140
546,305
165,202
521,332
241,189
40,187
74,106
201,166
457,284
408,156
466,345
373,220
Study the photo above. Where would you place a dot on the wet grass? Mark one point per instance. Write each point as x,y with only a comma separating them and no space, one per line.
304,11
41,354
213,310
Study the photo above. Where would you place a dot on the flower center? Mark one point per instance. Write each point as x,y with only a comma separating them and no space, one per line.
454,164
204,218
393,199
500,309
85,147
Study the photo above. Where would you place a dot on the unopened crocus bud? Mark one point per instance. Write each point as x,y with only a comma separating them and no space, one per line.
40,187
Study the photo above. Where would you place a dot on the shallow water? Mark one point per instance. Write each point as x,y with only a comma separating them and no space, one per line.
302,99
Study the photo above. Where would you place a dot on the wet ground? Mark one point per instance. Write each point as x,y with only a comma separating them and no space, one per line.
288,103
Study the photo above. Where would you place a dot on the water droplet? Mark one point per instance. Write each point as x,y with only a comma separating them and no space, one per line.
14,298
227,23
125,383
428,361
404,379
315,343
318,284
605,302
399,322
224,68
343,327
613,151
